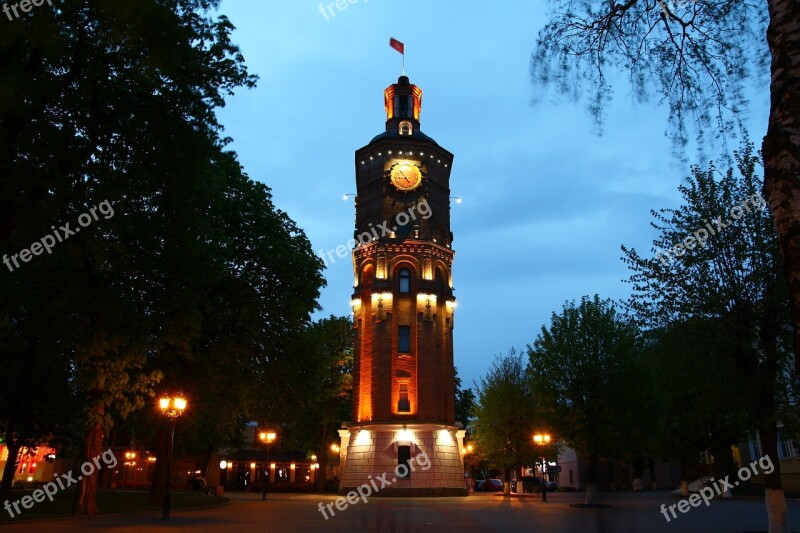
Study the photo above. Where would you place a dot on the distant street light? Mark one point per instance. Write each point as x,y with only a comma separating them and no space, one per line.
223,473
542,440
458,199
314,470
266,438
348,195
172,407
130,460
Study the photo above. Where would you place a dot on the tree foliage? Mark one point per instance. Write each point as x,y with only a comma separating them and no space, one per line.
465,402
315,384
699,57
715,255
729,278
197,278
586,373
697,388
506,414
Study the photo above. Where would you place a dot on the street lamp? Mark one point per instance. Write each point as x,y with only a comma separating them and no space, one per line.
314,469
466,450
542,440
130,460
223,473
266,438
172,406
458,199
335,448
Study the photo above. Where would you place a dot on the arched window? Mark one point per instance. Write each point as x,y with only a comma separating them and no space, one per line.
405,280
406,128
367,276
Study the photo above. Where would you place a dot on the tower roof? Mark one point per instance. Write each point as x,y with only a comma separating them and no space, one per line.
403,100
403,105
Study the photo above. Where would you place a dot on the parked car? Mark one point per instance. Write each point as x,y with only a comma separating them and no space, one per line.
479,485
492,485
534,484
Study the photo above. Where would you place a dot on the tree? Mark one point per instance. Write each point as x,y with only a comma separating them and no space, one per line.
583,370
699,55
31,416
465,402
253,299
506,416
698,408
317,387
728,272
194,271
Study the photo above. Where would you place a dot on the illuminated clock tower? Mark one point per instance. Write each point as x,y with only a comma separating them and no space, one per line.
403,313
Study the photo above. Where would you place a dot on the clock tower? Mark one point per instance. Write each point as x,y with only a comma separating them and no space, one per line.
403,418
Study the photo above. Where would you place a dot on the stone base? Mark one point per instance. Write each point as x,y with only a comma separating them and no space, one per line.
369,457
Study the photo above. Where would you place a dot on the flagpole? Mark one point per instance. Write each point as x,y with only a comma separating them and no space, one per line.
400,47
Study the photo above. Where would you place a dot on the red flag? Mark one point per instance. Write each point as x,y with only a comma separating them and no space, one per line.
397,45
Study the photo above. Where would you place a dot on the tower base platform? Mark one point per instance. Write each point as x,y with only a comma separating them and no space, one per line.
376,455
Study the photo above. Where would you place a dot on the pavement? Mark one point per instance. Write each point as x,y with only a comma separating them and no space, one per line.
629,512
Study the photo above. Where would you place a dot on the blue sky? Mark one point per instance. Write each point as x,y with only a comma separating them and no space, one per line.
547,202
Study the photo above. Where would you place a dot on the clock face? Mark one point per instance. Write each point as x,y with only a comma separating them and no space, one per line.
406,176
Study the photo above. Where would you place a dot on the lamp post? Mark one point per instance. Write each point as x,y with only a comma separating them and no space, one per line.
542,440
130,460
172,406
336,450
266,438
314,468
223,473
467,450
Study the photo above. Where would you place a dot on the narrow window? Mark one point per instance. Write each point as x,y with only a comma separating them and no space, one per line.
404,339
440,281
405,281
405,128
403,405
404,111
403,458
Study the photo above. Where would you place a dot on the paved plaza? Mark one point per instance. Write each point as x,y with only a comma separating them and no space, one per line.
629,512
